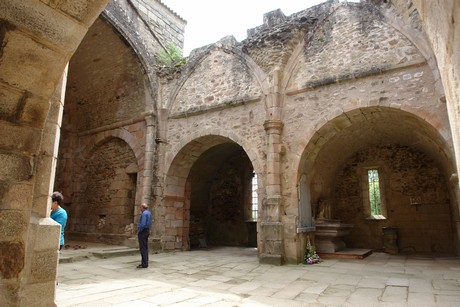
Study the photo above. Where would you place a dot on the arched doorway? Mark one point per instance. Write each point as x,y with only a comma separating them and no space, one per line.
214,176
101,136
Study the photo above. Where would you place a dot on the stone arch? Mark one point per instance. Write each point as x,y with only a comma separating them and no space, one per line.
136,39
104,202
230,135
106,96
197,168
200,57
384,129
100,138
388,15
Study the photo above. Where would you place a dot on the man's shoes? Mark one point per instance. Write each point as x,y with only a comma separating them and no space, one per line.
140,266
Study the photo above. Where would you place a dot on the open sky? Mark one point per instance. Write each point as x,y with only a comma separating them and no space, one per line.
210,20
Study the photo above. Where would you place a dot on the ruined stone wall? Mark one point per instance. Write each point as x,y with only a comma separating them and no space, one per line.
166,25
105,93
37,41
103,179
221,96
106,81
351,59
107,198
404,174
350,65
352,42
42,36
111,94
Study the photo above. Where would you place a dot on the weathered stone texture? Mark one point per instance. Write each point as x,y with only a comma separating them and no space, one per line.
12,259
350,43
407,173
409,89
245,122
43,266
44,22
220,79
105,202
163,22
110,89
37,39
12,225
271,47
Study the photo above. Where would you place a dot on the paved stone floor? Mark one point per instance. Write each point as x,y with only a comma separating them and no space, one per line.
231,276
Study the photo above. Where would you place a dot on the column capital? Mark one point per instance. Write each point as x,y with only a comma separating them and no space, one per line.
150,120
273,124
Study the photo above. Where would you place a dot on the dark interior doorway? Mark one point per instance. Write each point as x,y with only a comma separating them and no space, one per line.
221,211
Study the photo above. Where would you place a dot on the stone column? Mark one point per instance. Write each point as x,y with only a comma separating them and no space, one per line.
145,185
147,174
158,185
271,228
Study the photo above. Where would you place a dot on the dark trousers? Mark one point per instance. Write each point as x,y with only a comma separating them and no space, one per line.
143,236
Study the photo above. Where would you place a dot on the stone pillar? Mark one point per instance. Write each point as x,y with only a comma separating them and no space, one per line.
29,239
271,230
271,248
161,203
147,174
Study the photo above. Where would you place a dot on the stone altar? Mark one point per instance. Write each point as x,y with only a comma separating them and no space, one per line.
329,232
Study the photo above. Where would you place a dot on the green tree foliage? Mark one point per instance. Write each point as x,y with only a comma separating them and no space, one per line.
171,55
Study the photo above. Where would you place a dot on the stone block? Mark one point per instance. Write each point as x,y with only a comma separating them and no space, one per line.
26,140
39,294
271,259
44,265
29,54
34,112
50,140
10,98
83,10
12,258
17,196
13,225
46,22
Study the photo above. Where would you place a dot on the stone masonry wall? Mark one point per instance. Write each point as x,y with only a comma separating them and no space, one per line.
106,81
106,200
352,59
405,173
350,43
221,79
166,24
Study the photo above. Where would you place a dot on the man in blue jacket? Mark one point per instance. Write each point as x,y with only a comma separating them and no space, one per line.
143,232
58,214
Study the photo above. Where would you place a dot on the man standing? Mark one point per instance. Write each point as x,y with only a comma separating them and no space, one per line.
143,232
58,214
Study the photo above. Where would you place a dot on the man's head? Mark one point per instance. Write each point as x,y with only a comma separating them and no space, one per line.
143,207
56,200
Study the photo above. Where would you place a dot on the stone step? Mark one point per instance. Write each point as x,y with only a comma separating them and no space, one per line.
115,252
68,256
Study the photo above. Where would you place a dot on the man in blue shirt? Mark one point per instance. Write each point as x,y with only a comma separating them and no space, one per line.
58,214
143,232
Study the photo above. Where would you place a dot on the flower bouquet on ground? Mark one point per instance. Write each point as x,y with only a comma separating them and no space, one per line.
311,257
